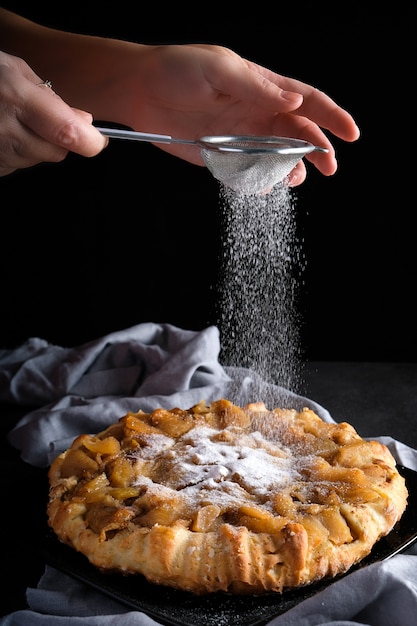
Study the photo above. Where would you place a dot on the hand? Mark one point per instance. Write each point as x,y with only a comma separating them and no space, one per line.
35,124
189,91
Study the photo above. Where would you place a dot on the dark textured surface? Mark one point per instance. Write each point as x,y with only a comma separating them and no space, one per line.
377,398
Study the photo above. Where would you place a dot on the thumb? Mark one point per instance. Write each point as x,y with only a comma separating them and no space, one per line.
55,121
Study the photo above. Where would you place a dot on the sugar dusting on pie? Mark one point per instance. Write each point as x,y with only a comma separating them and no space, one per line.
225,498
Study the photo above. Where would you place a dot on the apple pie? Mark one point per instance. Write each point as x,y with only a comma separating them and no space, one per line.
225,498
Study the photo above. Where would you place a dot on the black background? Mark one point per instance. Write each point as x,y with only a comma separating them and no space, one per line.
92,246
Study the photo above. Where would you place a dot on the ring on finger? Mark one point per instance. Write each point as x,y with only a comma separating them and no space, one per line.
46,83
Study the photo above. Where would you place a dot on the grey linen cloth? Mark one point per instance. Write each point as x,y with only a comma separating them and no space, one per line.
84,389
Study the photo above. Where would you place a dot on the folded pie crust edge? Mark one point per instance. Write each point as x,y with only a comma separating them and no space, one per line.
340,494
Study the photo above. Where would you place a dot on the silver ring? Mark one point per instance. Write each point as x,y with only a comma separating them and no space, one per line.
46,83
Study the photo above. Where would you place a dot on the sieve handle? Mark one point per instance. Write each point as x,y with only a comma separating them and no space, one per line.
133,135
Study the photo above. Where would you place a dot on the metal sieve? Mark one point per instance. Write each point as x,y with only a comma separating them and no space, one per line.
247,164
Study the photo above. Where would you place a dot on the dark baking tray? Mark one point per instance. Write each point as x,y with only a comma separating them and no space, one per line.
176,608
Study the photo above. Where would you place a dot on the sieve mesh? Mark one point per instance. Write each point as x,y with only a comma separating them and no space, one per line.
244,163
249,173
252,165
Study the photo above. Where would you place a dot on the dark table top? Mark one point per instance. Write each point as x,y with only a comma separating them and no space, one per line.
378,399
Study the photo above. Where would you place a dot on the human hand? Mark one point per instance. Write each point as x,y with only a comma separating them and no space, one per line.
36,125
189,91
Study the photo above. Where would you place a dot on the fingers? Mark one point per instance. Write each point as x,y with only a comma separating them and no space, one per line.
297,176
320,108
49,117
300,111
270,90
294,125
21,148
327,114
248,82
36,125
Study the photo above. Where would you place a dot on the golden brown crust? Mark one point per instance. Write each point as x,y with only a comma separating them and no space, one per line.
220,497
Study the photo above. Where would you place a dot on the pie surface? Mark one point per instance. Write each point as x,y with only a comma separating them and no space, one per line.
225,498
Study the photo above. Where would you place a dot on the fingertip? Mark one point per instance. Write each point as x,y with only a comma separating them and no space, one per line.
103,138
105,142
101,145
356,133
297,176
352,131
90,142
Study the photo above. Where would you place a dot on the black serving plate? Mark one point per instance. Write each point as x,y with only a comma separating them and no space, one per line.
176,608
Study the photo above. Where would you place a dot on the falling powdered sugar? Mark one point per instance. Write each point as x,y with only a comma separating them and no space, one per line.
260,269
